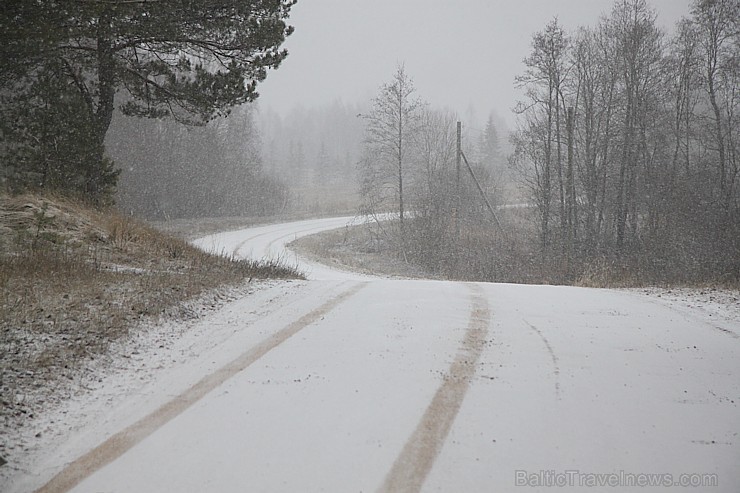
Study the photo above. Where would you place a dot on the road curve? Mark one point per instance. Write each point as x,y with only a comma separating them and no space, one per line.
270,242
352,383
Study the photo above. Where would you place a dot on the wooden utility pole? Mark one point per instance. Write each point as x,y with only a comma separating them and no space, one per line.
459,158
458,192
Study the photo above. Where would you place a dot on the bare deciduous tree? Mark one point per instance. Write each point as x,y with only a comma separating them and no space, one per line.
391,124
544,78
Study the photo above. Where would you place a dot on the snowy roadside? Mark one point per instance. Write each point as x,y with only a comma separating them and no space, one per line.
351,249
73,282
155,349
718,304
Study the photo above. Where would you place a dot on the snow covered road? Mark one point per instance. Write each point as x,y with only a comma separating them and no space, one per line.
269,242
351,383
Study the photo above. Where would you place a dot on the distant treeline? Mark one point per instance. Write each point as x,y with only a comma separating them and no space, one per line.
171,171
314,151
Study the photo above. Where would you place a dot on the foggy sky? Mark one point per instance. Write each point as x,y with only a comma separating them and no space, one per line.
462,54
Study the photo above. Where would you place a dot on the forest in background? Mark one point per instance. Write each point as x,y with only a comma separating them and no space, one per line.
171,171
626,149
252,163
628,143
314,151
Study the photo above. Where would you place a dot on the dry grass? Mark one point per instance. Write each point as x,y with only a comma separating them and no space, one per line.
481,255
355,248
74,280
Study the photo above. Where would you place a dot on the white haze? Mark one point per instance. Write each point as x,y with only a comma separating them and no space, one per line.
463,55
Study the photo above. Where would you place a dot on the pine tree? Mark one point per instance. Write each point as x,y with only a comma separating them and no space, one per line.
490,147
190,60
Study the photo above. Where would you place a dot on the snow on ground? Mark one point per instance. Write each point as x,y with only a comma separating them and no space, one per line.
271,242
594,382
130,364
353,383
711,303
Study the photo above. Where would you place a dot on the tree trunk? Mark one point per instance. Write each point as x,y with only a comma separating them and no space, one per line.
719,135
570,185
624,187
104,111
400,162
546,179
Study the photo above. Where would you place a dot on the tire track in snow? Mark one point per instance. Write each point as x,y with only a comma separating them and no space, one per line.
240,245
555,362
294,234
115,446
415,461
